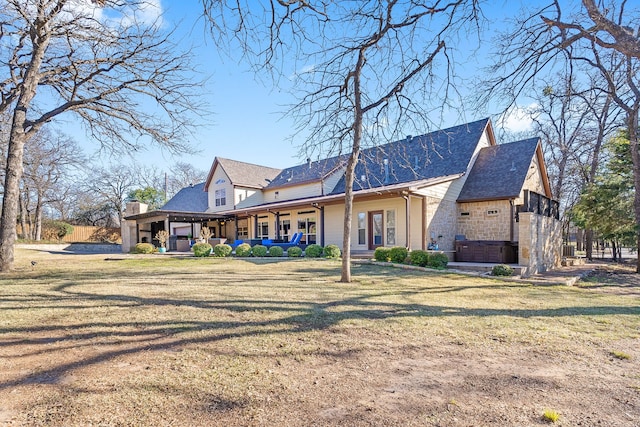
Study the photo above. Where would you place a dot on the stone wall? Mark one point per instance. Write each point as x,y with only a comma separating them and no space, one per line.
540,245
485,220
441,221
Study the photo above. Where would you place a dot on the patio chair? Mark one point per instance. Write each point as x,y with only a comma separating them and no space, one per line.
296,238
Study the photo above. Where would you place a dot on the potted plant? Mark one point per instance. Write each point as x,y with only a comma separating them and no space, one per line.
162,236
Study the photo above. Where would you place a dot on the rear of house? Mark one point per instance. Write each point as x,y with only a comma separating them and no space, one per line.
454,189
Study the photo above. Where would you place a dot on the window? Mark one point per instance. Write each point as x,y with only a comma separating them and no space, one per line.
362,223
221,197
464,214
285,226
492,212
307,225
243,232
391,228
263,228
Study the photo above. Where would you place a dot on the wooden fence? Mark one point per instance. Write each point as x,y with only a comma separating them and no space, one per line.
85,233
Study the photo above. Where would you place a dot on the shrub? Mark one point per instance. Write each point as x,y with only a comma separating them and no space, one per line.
381,254
418,257
332,251
259,250
620,355
551,416
501,270
398,254
438,260
201,249
294,252
276,251
56,229
222,250
313,251
243,249
144,248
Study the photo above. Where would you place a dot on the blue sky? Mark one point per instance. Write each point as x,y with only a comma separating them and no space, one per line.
246,122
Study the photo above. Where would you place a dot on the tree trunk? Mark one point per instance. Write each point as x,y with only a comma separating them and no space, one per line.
348,217
614,251
23,213
632,125
20,130
579,239
38,219
9,216
588,237
358,114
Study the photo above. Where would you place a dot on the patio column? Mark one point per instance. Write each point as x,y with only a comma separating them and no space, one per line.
407,203
322,226
235,221
424,223
255,226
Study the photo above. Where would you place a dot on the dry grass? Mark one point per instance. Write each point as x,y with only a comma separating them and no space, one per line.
154,340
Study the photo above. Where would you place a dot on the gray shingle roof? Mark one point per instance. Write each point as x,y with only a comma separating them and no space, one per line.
189,199
247,174
499,171
308,172
437,154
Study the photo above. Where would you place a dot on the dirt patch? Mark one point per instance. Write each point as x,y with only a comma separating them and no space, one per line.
615,278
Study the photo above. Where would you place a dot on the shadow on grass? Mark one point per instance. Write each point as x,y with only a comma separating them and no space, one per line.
264,317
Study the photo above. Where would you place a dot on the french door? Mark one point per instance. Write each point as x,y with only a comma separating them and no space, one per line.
376,229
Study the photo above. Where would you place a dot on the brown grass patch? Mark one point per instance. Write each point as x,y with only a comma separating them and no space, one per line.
155,340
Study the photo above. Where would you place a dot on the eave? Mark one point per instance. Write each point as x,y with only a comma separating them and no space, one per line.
177,216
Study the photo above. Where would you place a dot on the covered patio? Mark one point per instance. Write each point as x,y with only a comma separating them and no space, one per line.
140,226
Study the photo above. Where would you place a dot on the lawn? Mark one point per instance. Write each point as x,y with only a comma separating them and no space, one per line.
155,340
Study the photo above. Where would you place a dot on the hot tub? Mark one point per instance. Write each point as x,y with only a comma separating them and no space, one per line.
493,251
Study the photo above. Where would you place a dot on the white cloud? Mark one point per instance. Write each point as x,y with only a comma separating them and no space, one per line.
145,13
149,13
518,119
304,70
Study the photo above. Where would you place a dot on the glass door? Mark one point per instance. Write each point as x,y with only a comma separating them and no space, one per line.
375,229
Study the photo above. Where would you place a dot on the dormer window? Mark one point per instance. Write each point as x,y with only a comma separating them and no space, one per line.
221,197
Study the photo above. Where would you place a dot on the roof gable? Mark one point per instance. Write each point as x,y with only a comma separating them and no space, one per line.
499,171
441,153
189,199
242,174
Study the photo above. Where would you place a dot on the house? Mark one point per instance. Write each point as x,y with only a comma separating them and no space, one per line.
454,189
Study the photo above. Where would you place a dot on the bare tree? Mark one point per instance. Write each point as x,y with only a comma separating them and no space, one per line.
183,175
367,71
123,77
48,159
110,185
603,38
